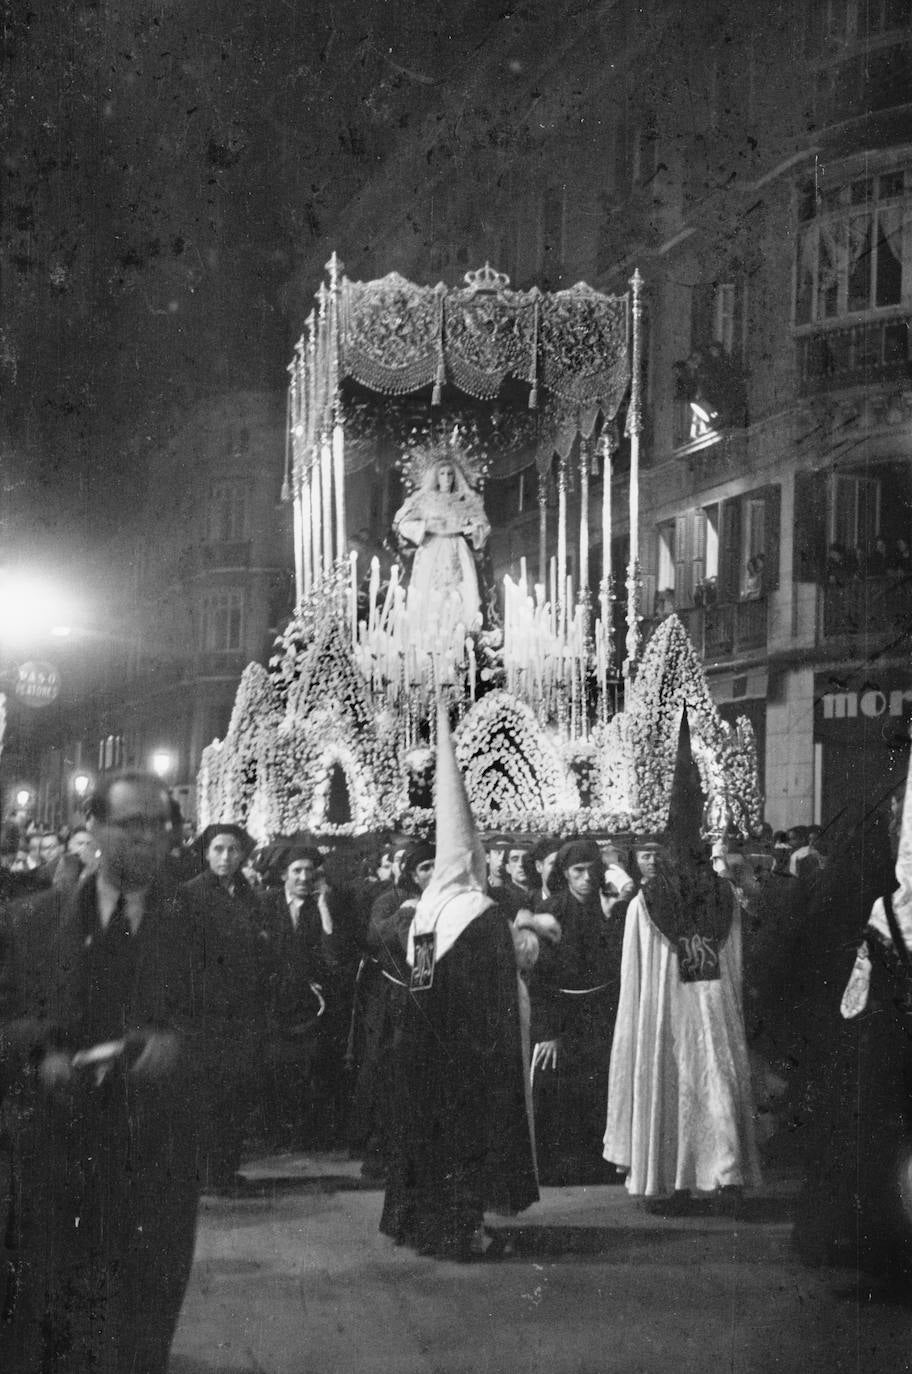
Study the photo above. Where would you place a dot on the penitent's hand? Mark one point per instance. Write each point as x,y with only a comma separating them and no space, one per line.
158,1057
55,1072
544,1055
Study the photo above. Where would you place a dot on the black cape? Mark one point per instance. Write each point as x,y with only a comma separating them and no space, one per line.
461,1142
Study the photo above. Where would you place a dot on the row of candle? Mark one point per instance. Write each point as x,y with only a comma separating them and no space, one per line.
547,655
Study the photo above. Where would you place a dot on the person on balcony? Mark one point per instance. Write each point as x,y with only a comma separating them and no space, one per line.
899,564
753,577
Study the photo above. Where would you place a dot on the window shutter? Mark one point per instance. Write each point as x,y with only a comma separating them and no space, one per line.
684,554
729,549
810,526
702,304
698,553
649,566
773,497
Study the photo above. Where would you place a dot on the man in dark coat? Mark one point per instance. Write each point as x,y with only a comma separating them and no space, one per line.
383,992
574,992
300,946
462,1142
229,904
518,891
113,1019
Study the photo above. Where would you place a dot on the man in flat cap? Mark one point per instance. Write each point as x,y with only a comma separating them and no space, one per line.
298,944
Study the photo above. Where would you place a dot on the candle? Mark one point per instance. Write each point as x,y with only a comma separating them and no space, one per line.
353,576
373,593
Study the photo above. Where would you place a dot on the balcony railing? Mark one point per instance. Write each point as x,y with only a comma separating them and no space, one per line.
865,605
875,350
723,631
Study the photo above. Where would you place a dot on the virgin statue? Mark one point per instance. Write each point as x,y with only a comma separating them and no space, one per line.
443,521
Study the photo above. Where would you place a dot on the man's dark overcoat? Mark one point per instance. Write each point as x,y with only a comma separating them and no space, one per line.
104,1204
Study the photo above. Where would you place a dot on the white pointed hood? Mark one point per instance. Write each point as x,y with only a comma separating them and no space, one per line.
457,892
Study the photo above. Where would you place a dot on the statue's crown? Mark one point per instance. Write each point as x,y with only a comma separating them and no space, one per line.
424,450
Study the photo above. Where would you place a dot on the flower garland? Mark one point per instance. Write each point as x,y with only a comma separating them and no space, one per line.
507,757
669,678
253,719
209,784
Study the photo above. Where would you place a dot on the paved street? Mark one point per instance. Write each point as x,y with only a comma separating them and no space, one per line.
298,1281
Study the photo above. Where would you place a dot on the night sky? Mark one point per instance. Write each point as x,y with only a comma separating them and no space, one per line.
170,169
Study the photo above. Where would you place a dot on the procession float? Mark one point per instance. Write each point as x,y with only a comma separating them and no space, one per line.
558,728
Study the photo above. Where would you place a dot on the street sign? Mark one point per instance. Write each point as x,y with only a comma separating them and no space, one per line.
37,683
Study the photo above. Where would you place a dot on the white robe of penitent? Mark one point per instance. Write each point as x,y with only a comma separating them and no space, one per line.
680,1107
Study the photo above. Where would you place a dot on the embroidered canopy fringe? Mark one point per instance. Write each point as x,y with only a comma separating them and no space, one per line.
395,337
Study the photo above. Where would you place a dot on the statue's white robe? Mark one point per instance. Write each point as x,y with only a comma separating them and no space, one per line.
680,1106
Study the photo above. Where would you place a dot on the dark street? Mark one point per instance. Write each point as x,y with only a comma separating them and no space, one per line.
299,1281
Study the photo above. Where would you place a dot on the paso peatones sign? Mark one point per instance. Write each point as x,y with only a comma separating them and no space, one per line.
37,683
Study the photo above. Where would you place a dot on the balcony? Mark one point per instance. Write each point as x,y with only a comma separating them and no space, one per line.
725,631
859,354
865,606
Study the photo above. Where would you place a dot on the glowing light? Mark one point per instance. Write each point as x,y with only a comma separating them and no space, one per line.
162,762
81,784
23,797
32,607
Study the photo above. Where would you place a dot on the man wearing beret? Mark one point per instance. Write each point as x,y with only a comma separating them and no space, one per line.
299,944
574,991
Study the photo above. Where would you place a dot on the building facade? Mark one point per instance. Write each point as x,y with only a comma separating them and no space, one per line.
757,169
201,584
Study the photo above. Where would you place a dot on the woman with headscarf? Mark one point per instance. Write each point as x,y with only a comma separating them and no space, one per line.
443,522
574,992
227,906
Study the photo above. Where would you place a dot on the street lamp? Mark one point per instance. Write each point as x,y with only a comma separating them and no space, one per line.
23,798
31,607
81,784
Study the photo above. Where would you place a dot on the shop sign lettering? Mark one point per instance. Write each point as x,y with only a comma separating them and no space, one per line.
871,703
37,683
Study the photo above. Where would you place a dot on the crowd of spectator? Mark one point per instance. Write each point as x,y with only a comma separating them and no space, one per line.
878,559
303,952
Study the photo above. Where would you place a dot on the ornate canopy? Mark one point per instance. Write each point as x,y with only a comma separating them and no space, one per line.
571,348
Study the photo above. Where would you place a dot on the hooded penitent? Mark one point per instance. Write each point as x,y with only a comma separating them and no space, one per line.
456,894
855,997
686,899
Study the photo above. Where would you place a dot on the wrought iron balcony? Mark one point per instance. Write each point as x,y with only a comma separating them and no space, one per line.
871,350
723,631
866,605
